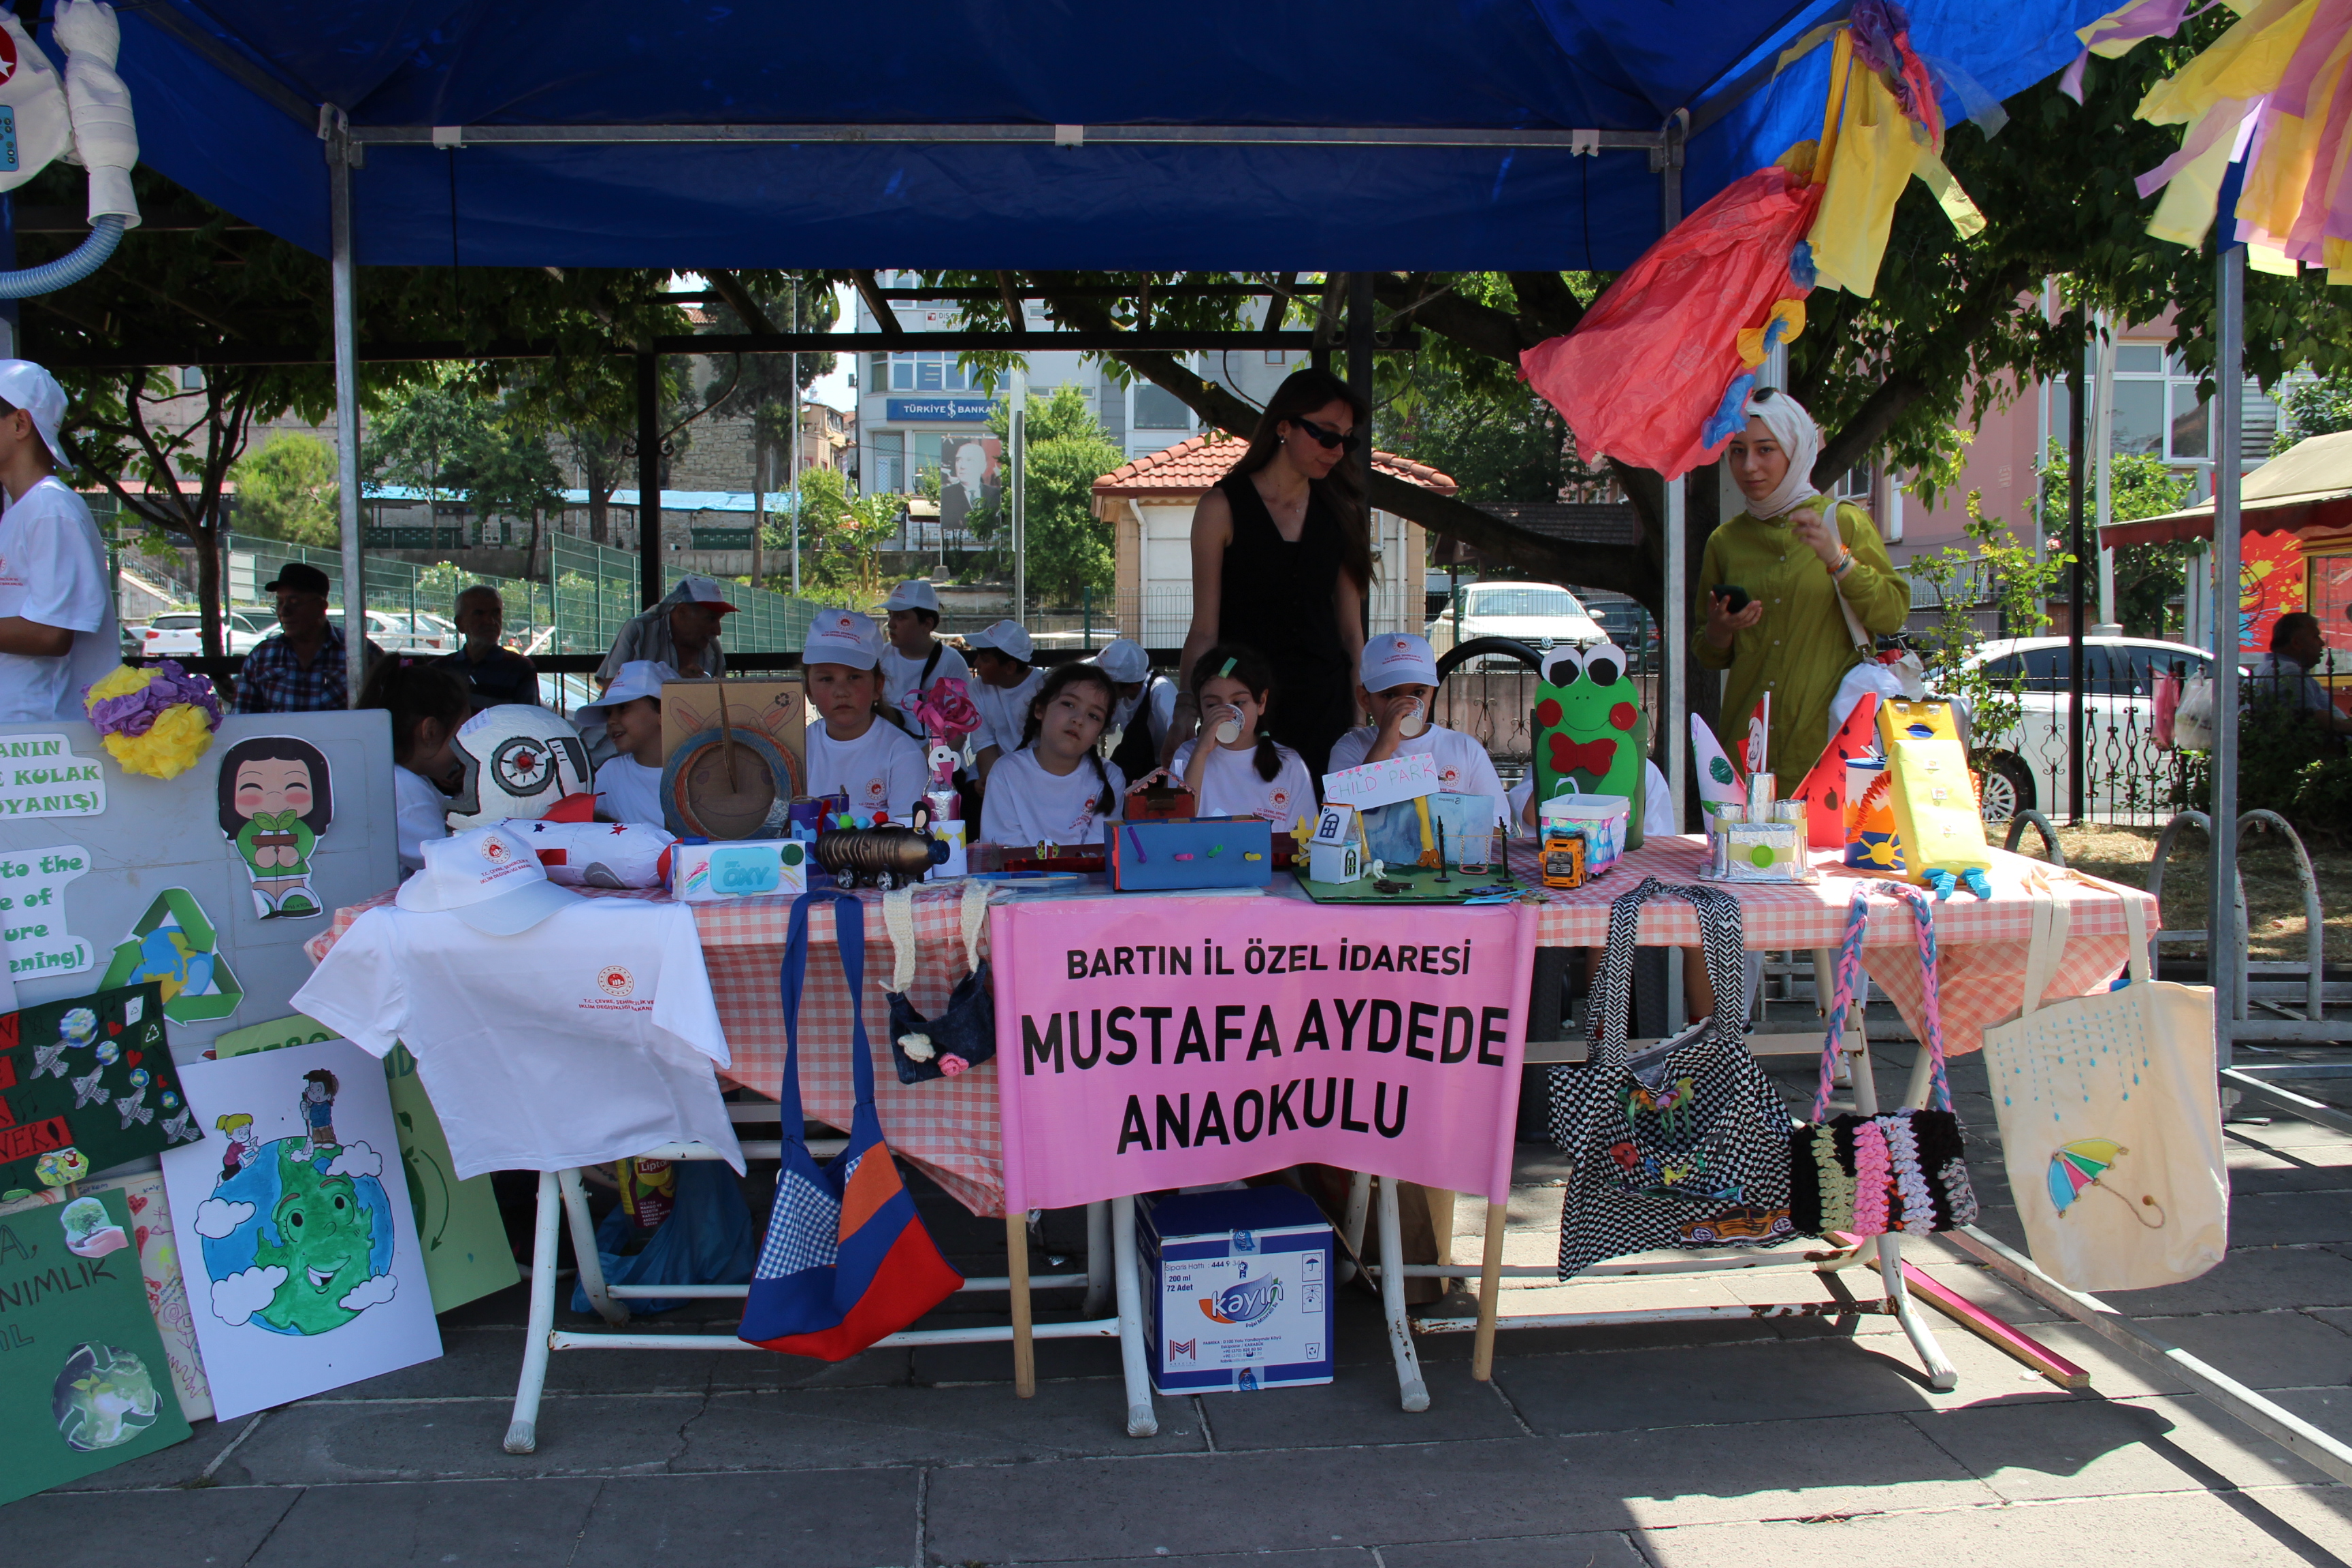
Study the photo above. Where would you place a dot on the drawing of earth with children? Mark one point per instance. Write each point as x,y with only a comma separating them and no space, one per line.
297,1236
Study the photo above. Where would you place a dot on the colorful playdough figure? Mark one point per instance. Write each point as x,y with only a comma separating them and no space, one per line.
1592,736
274,800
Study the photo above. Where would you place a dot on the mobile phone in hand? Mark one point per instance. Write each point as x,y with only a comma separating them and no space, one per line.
1735,598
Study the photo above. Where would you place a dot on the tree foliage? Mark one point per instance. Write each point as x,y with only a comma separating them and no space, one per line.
2311,408
841,539
1070,550
287,491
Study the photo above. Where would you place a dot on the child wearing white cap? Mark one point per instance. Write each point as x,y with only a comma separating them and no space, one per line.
1006,685
1396,678
1147,705
914,657
57,631
877,765
628,783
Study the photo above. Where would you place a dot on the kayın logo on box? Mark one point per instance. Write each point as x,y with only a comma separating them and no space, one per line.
1245,1302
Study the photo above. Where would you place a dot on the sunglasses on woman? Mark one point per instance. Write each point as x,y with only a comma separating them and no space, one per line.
1344,441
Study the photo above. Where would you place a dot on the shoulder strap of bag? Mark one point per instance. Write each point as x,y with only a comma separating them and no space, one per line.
1854,627
1612,991
1849,974
923,681
1931,1011
975,921
849,933
898,919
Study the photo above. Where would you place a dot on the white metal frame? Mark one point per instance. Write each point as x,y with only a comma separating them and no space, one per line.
1111,1271
1885,1251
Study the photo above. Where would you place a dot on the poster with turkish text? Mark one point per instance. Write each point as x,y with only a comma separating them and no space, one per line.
295,1227
84,1384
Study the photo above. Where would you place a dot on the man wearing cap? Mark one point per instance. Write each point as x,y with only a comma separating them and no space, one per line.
682,632
1142,739
1005,686
299,669
915,658
58,630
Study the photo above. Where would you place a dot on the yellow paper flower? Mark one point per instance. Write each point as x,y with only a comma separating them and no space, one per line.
171,746
126,680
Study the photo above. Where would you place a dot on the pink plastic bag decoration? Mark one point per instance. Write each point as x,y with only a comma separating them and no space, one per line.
1639,377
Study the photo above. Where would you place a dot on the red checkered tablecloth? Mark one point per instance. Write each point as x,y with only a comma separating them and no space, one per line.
1980,944
949,1126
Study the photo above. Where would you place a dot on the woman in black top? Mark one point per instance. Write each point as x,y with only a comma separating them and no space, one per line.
1281,561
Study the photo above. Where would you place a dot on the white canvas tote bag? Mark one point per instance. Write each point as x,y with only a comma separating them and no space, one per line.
2111,1121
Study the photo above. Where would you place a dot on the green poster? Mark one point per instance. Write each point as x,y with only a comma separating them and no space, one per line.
467,1254
86,1083
83,1381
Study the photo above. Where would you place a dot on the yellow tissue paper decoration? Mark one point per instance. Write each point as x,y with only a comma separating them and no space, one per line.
1790,313
180,734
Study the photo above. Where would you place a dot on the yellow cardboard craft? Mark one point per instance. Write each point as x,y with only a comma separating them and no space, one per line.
1936,813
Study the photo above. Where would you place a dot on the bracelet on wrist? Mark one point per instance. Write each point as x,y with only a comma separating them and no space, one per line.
1844,565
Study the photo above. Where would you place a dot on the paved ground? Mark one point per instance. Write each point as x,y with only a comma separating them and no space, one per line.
1748,1444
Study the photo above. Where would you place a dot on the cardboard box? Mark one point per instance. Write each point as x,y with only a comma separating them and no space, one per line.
1604,818
774,708
747,868
1191,852
1240,1290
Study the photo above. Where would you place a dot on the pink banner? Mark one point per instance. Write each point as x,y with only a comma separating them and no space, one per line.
1166,1042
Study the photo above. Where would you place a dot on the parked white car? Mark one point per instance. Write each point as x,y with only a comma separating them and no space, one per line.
395,632
2127,771
181,633
1537,614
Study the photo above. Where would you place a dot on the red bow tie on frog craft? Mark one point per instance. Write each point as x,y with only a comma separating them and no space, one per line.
1580,756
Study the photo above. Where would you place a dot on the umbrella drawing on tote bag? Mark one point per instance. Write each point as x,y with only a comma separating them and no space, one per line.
2077,1167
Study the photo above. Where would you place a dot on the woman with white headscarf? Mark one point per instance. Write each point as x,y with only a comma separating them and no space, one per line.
1817,583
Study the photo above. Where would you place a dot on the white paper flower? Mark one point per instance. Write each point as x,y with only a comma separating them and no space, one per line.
918,1047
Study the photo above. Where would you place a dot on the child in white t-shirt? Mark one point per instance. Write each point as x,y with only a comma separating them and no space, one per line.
1056,789
1396,678
628,783
1251,773
854,751
914,658
427,701
1004,683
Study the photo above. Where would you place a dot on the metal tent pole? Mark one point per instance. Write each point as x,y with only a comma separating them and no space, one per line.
1675,742
336,130
2076,682
1359,376
649,559
2222,940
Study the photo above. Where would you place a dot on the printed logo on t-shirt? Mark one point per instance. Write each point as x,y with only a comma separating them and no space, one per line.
1280,801
615,981
877,788
617,991
1447,777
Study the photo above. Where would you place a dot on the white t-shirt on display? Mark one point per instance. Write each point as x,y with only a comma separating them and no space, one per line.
882,770
1657,803
628,791
1026,806
1232,787
588,1039
1003,712
900,673
53,571
1463,767
420,812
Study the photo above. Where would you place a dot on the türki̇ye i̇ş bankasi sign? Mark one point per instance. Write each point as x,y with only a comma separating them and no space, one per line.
1182,1040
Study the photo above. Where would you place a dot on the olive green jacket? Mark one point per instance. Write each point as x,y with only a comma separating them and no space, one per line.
1802,648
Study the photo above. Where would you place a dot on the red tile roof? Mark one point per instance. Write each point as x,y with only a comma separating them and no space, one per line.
1190,468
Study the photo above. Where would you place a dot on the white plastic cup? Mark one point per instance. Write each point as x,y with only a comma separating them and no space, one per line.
1229,731
1413,722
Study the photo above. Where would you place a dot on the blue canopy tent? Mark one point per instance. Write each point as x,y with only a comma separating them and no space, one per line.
1002,134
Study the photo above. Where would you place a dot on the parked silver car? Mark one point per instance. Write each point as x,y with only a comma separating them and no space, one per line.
2126,772
1537,614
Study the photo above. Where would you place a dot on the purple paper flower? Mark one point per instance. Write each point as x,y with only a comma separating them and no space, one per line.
168,685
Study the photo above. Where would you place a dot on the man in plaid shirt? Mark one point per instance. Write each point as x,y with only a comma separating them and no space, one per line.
299,669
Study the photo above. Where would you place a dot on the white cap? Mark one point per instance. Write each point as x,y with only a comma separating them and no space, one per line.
1124,660
1010,639
28,387
1397,659
489,878
703,591
842,636
639,677
914,595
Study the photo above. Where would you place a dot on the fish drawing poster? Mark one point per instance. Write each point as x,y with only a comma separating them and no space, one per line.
83,1380
296,1234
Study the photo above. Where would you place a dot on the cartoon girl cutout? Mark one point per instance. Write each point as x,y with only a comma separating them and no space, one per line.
318,1086
244,1143
276,799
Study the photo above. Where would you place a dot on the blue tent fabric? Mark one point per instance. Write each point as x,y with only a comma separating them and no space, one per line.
227,95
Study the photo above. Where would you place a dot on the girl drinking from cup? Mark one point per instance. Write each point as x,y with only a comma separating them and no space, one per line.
1056,789
1233,768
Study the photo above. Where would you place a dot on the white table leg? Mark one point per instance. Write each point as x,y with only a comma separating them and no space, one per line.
1360,1195
1098,1264
583,1251
522,1431
1942,1374
1410,1383
1142,1421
